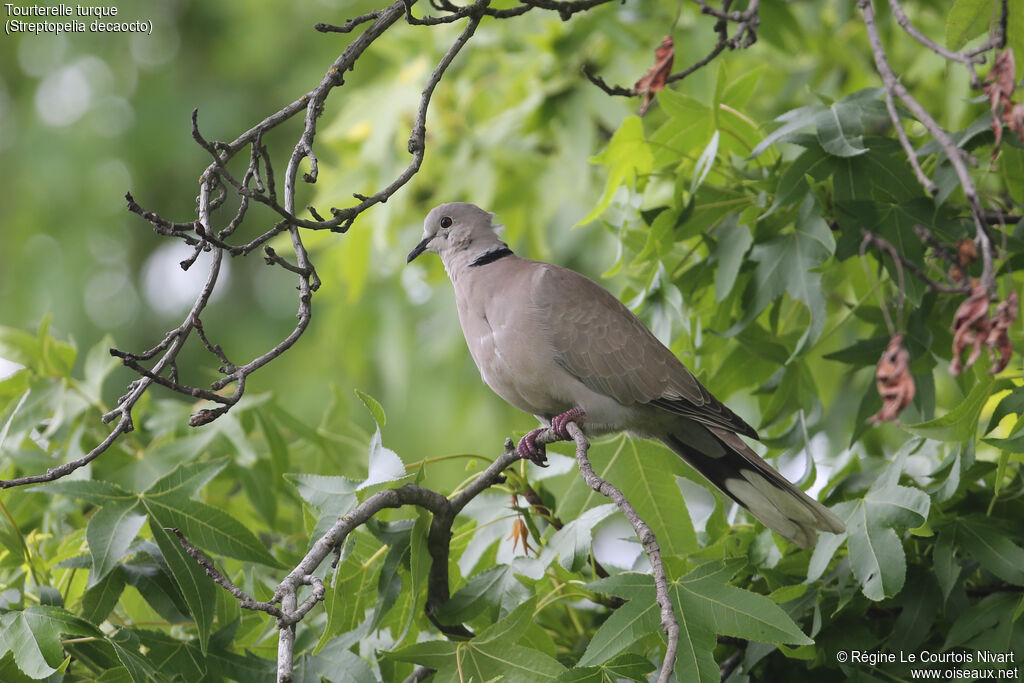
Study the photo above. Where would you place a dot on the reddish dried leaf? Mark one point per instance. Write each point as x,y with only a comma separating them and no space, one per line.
999,85
654,80
1014,118
970,328
998,338
894,381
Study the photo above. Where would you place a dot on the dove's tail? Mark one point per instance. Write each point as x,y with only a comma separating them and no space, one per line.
740,473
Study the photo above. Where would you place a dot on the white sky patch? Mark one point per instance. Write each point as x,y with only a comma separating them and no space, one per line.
168,289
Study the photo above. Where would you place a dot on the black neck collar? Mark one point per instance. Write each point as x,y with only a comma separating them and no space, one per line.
491,256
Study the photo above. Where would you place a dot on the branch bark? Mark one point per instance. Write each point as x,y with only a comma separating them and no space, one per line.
647,539
956,156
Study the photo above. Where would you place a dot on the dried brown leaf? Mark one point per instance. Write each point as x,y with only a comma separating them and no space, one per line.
520,532
966,252
894,382
1014,118
970,328
654,80
999,86
998,338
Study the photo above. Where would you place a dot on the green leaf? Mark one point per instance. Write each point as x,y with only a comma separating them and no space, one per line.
877,558
37,654
509,627
862,353
982,616
33,636
961,422
207,527
627,156
279,459
734,241
736,612
968,19
187,479
571,544
792,186
198,589
20,347
90,490
1011,404
10,417
99,599
98,366
330,495
153,580
496,587
626,666
389,582
335,663
111,530
839,130
58,357
704,162
503,662
645,473
374,406
172,656
493,653
1015,41
384,466
785,263
436,654
792,121
991,547
126,647
625,626
919,603
947,569
705,605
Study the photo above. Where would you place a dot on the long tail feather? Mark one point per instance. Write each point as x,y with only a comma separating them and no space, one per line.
740,473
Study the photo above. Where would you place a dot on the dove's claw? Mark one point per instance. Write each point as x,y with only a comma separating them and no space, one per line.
529,449
558,422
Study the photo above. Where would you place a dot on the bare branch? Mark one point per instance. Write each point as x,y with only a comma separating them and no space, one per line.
953,153
565,8
124,425
903,262
969,60
647,540
746,22
244,600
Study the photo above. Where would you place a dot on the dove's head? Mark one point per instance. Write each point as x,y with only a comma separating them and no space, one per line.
460,233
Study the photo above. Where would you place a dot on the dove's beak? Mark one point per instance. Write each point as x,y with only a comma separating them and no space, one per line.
418,249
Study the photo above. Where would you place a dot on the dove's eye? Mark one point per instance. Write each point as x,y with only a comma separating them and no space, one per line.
446,222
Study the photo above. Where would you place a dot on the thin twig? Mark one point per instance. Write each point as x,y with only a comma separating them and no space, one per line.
647,540
746,22
244,600
969,60
908,148
952,152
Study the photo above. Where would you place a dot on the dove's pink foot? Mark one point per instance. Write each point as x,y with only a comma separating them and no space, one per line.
558,422
529,449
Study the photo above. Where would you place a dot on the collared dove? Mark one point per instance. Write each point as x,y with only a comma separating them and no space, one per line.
557,345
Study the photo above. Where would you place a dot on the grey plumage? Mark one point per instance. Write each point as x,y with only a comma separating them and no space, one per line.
559,346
